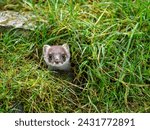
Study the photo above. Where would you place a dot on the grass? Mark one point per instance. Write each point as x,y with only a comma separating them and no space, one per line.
110,57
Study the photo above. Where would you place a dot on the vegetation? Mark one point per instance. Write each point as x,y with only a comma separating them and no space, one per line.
110,56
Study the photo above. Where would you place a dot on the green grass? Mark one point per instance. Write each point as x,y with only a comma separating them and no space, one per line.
110,57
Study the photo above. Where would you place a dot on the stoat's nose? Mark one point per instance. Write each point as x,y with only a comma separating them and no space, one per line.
56,61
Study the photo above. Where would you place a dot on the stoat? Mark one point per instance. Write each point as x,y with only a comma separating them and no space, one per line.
57,57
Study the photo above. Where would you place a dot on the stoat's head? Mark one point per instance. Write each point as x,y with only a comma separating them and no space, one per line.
56,55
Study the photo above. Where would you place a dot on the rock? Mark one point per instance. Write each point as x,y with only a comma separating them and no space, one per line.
21,20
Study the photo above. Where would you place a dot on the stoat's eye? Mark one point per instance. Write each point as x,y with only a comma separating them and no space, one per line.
50,57
63,57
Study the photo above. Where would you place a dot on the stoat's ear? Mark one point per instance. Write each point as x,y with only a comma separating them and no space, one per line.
45,49
66,46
